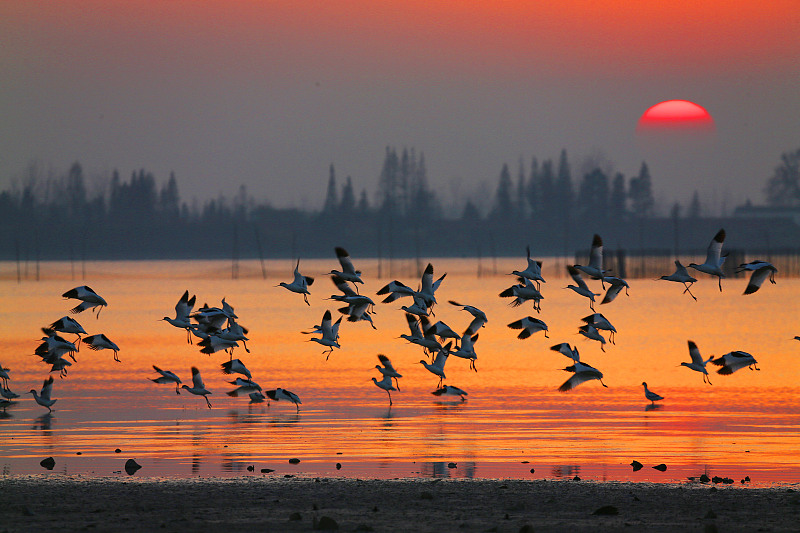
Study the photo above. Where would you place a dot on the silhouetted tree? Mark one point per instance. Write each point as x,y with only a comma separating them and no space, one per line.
618,201
503,203
348,202
783,187
331,196
695,209
593,198
640,190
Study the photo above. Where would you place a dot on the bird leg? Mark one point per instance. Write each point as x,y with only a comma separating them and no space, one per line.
390,398
306,299
687,290
177,390
720,284
246,349
209,403
397,384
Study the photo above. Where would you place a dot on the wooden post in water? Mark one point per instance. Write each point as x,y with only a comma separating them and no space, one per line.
260,252
235,254
19,269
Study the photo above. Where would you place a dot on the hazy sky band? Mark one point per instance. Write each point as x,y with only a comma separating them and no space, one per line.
265,93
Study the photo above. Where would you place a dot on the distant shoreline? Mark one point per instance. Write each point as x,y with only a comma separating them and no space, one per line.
71,503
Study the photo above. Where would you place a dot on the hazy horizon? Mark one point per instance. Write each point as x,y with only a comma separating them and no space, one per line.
269,95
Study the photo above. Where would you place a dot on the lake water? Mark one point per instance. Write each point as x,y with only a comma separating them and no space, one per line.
514,420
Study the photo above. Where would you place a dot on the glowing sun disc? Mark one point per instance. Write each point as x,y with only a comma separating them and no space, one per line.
676,115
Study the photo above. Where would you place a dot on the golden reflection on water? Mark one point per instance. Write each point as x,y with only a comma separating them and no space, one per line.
743,424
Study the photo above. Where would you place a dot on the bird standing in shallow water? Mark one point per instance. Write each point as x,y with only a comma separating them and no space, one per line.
385,384
387,369
43,397
650,395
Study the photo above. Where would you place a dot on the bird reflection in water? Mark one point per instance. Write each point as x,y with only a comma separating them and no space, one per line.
444,469
43,422
652,407
566,471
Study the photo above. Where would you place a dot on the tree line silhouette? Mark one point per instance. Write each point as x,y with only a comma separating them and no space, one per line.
59,218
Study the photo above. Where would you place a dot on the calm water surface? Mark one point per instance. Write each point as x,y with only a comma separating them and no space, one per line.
513,421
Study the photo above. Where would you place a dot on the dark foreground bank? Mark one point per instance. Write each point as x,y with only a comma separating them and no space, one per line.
300,504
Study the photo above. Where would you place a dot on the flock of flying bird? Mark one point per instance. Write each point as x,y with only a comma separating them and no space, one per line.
218,329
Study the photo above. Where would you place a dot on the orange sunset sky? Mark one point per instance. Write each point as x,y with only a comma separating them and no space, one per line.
268,94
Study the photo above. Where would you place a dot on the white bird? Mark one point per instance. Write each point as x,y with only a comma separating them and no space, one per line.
529,326
167,377
357,312
698,364
43,397
330,333
595,267
600,322
533,271
243,386
197,387
421,334
387,369
68,324
714,258
385,384
7,393
437,367
209,321
443,331
590,332
215,343
4,377
466,350
650,395
235,366
567,351
681,275
582,372
758,277
101,342
429,286
59,364
733,361
55,346
256,397
234,332
394,290
478,320
450,390
522,292
348,273
89,299
300,284
182,311
349,296
285,395
615,287
581,287
755,265
419,307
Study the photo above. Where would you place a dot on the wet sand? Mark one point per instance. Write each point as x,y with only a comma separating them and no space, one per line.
73,503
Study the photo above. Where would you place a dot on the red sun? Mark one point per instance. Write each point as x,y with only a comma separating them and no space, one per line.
676,116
